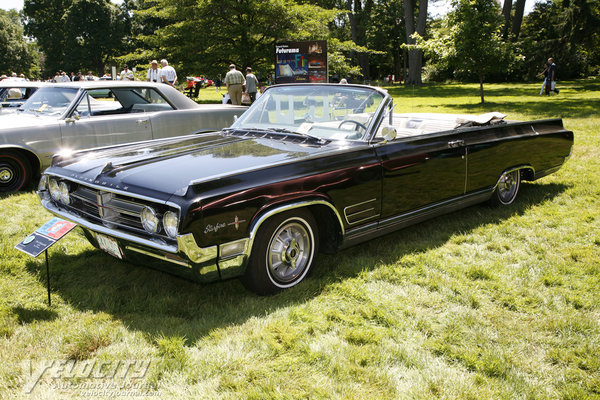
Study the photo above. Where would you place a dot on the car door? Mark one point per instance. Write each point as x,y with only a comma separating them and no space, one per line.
421,171
103,122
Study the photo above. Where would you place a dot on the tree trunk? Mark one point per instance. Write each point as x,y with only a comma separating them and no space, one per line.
518,19
481,88
506,9
415,57
355,11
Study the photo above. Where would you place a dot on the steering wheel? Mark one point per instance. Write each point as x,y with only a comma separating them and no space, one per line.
356,123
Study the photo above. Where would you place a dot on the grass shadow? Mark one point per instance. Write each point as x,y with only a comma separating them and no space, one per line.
157,303
559,107
29,315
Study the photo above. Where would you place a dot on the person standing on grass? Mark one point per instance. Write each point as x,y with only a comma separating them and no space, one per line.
551,78
251,84
545,73
153,74
167,73
234,81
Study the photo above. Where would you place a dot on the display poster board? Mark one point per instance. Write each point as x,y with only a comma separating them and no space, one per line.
297,62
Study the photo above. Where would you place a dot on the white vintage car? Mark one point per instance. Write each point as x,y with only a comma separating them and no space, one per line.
63,117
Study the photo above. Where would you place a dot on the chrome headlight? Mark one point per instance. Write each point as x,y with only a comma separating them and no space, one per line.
149,220
64,193
54,190
170,223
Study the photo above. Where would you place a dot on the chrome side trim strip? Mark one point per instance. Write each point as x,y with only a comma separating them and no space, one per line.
348,214
432,209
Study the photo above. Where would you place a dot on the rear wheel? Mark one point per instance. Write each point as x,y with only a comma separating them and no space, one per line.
283,253
15,171
507,189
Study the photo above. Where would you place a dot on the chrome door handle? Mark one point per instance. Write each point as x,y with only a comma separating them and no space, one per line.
142,121
456,143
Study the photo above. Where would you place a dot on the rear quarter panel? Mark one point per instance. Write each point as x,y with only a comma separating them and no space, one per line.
543,145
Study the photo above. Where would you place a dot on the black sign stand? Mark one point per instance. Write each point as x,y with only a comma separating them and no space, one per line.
40,240
48,277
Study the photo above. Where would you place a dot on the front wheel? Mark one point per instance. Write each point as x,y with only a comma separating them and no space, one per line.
283,253
15,172
507,189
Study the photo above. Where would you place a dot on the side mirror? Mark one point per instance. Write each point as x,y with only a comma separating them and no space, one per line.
389,133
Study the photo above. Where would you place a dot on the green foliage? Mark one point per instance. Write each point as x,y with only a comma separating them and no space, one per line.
470,42
568,31
18,55
76,35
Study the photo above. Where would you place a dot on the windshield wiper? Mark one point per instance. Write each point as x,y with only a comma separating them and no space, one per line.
281,130
284,130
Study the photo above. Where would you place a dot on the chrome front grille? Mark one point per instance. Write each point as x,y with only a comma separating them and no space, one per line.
113,210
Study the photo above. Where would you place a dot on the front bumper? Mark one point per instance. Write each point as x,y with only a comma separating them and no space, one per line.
183,258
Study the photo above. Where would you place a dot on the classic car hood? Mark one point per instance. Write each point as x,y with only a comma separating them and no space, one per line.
13,120
168,166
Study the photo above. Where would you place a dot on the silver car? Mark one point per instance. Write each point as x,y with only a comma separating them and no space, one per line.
63,117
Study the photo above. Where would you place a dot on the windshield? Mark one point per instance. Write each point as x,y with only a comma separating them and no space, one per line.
325,111
49,101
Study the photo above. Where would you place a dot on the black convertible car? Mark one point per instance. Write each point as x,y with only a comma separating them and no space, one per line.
307,168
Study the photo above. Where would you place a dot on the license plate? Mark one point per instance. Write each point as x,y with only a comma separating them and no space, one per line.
109,245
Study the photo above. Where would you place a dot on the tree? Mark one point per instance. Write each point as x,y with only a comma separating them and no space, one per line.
44,21
205,36
415,55
76,34
94,32
18,55
470,40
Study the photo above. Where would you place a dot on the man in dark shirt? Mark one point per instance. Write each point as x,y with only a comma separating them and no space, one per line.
551,78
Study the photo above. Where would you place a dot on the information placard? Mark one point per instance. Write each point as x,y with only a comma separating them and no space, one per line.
45,236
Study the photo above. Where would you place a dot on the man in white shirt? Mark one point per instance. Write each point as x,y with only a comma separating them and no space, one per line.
127,74
167,73
153,74
64,77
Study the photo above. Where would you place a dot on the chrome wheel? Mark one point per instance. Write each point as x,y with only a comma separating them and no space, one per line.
283,252
290,251
508,187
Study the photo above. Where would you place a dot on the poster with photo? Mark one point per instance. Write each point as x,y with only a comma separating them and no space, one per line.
301,62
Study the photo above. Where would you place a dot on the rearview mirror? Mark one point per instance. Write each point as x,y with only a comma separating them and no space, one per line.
389,133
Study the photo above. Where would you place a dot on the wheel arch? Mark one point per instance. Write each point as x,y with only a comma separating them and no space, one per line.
329,220
30,156
527,173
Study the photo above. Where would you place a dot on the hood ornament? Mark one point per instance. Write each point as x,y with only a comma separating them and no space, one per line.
108,167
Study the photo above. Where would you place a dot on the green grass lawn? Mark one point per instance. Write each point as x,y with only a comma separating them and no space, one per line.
484,303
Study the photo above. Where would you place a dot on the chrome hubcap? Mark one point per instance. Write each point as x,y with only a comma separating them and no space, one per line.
289,252
6,175
508,186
